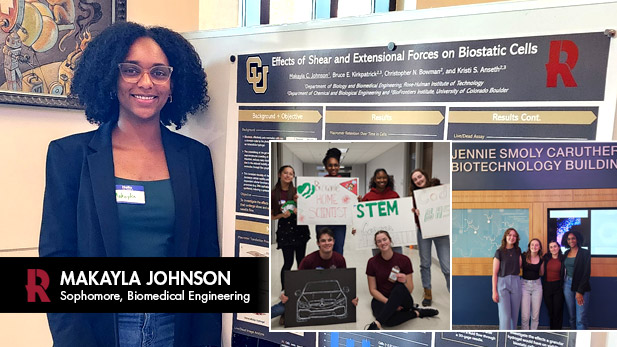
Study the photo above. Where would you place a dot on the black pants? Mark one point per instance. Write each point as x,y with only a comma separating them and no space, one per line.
553,298
387,315
288,258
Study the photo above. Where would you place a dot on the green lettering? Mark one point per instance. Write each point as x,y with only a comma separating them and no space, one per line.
370,207
392,207
382,209
360,212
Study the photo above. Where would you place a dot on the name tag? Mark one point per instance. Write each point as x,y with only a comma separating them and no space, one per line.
130,195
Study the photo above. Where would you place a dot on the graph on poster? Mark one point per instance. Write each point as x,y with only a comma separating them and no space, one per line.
374,339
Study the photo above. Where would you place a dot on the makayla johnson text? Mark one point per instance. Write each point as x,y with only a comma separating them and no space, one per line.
123,278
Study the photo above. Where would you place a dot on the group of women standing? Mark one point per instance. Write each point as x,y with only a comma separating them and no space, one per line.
554,276
388,271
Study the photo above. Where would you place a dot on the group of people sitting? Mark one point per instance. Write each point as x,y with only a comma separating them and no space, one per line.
389,280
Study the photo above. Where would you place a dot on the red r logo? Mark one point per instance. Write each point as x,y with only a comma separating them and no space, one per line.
554,67
34,289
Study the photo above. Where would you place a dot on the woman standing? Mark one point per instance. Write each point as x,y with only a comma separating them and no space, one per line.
331,163
553,285
291,238
390,284
506,281
532,285
576,287
420,180
381,188
133,81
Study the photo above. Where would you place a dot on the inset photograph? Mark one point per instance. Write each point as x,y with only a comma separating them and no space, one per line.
360,235
533,236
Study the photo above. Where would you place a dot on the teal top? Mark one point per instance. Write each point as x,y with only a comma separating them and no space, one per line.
569,264
147,229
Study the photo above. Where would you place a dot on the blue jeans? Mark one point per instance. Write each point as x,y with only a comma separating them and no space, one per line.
339,236
442,246
146,329
277,310
509,289
578,314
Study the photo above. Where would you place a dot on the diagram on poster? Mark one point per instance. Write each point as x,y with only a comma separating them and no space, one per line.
505,339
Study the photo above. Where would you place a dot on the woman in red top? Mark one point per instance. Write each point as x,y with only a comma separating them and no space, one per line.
382,186
552,288
390,284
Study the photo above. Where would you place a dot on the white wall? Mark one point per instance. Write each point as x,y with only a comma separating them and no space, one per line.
441,161
289,158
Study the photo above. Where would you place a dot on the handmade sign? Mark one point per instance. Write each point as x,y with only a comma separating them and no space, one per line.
326,200
434,205
319,297
393,215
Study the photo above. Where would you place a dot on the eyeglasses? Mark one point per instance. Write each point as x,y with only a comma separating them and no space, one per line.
132,73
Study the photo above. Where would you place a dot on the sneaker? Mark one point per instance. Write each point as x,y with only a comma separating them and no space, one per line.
427,312
372,326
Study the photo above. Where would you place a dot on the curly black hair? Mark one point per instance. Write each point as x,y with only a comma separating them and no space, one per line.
580,239
332,153
96,77
373,183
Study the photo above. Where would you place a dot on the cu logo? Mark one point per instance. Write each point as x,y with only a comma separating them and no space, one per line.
257,75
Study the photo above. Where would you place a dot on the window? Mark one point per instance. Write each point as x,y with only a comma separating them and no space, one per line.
256,12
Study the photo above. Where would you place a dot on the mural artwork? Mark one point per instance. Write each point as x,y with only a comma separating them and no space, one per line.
42,43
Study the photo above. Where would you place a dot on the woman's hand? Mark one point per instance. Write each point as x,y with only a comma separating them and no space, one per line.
579,299
284,298
401,277
415,211
353,231
286,214
496,297
400,308
354,301
359,198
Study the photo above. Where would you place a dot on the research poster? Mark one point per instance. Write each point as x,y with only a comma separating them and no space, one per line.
375,339
258,125
505,339
463,90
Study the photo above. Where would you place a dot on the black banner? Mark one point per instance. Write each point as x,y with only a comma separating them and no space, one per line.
503,166
135,285
537,68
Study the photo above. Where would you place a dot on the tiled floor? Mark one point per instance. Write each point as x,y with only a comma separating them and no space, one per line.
358,258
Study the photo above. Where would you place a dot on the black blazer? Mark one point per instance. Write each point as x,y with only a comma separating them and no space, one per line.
582,271
80,219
